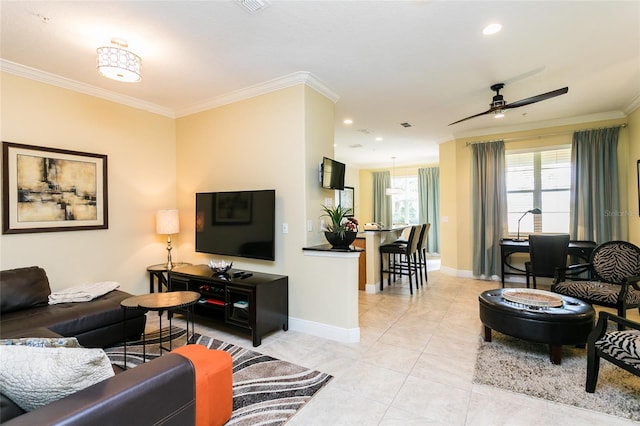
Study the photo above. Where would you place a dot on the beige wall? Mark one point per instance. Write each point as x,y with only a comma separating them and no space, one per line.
141,176
273,141
455,166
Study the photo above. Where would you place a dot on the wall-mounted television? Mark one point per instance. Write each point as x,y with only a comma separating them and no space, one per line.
238,223
332,174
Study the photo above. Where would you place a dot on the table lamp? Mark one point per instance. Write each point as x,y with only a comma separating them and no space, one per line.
167,223
532,211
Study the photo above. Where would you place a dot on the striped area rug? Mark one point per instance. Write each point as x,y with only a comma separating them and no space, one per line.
266,390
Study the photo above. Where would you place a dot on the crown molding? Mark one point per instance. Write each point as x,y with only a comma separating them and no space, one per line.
87,89
635,104
300,77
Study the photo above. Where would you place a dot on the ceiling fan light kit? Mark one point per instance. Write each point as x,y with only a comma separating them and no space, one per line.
498,105
117,63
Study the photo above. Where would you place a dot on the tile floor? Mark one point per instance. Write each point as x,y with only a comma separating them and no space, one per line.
413,366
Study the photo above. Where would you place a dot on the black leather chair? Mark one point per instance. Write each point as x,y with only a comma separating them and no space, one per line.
615,272
621,348
547,252
406,265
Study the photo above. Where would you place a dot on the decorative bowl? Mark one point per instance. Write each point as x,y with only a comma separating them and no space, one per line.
221,267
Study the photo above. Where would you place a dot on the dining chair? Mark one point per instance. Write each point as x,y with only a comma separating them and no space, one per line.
546,252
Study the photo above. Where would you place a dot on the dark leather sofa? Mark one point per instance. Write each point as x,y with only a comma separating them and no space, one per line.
25,312
159,392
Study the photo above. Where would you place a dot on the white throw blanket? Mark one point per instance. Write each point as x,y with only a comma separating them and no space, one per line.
82,293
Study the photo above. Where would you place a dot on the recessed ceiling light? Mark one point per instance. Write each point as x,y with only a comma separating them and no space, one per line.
379,139
491,29
348,121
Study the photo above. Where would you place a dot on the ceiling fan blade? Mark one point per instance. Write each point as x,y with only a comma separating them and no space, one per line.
489,111
538,98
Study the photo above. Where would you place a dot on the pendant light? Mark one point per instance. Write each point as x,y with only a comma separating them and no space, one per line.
392,190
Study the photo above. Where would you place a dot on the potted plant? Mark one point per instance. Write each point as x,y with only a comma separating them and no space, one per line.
341,231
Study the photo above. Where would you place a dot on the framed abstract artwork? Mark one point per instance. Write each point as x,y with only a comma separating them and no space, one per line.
47,189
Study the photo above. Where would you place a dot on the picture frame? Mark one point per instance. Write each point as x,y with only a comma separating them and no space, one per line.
346,199
51,190
232,208
638,166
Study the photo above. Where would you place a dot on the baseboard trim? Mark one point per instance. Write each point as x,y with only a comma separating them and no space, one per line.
331,332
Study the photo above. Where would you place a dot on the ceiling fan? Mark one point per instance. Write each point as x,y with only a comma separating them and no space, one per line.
498,104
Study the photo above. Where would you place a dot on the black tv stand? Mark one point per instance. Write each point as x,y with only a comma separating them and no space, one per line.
254,301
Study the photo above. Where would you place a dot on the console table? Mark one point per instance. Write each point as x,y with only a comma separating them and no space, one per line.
254,302
580,249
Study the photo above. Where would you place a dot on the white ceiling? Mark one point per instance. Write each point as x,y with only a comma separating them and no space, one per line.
389,62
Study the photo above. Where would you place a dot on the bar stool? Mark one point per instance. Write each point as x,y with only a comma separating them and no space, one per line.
420,256
405,266
422,251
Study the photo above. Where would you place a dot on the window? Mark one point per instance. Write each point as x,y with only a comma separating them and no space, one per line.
539,179
405,205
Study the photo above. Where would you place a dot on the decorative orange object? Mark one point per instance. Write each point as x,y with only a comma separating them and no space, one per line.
214,382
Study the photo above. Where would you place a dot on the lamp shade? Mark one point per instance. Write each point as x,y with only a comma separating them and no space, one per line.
167,222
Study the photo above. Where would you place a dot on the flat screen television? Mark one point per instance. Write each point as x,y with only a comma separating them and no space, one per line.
332,173
240,223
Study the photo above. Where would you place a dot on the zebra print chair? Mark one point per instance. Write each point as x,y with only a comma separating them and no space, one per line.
615,272
621,348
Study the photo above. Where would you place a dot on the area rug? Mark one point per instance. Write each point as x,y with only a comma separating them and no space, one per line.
524,367
266,390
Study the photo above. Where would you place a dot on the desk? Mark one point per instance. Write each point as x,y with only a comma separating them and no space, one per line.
373,240
581,249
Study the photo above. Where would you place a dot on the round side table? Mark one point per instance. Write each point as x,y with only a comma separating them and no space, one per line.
159,302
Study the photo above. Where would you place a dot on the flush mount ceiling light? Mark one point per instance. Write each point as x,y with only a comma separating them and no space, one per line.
117,63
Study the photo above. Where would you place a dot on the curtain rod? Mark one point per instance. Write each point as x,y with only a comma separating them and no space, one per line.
546,135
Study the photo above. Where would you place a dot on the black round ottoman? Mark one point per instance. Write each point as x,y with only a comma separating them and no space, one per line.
568,324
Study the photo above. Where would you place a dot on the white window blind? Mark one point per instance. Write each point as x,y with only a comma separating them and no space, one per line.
539,179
